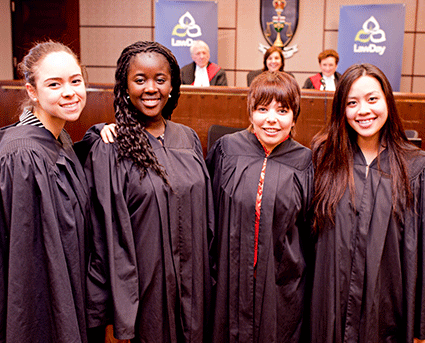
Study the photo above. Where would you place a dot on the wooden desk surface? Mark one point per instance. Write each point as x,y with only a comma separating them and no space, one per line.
199,108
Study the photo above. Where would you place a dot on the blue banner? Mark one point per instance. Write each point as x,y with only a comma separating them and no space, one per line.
372,34
179,23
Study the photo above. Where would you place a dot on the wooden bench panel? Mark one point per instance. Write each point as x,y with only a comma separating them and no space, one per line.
199,108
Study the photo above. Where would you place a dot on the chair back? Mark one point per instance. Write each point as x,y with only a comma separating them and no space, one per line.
216,131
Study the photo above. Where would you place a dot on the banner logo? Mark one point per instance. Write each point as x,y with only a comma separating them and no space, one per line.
179,23
370,33
363,37
186,27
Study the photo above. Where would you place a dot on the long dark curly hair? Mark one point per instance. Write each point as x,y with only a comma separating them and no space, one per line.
133,143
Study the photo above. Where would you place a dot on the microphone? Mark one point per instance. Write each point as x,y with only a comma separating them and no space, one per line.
323,82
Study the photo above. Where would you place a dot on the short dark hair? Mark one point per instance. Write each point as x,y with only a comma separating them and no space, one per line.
271,50
274,85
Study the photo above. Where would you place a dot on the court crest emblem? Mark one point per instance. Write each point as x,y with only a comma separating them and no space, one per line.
279,20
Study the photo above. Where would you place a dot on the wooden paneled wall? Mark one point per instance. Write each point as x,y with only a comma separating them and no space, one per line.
199,108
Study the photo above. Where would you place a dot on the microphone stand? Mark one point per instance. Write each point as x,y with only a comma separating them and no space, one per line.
323,82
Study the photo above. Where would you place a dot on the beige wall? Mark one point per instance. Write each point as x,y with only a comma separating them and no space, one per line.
6,66
106,28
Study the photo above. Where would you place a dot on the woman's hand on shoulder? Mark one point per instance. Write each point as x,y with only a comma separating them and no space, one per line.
108,133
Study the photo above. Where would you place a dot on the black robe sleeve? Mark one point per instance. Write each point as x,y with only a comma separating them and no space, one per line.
220,79
418,189
308,84
43,203
112,277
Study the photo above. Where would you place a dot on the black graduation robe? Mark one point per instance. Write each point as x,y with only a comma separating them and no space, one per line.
269,308
369,271
149,271
43,222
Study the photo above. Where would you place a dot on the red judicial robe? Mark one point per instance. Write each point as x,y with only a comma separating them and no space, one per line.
216,75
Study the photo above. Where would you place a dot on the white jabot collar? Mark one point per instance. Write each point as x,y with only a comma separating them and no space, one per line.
201,77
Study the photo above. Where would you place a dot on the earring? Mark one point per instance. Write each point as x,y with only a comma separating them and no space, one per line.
169,95
35,99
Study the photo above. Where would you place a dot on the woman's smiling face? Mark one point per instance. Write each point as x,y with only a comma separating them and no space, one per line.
59,92
272,123
274,62
149,83
366,109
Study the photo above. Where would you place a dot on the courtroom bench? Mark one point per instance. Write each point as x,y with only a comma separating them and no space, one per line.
199,108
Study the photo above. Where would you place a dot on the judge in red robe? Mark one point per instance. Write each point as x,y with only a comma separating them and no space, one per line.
201,72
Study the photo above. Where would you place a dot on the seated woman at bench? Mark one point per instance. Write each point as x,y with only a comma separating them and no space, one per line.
273,61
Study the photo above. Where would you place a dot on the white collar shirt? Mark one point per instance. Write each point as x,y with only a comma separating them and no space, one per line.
201,77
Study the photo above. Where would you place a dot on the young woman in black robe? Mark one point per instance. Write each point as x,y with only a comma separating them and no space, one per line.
44,208
149,272
369,203
262,185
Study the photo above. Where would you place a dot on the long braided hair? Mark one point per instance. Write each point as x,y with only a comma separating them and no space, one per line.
133,143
